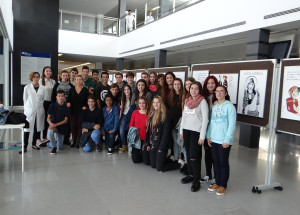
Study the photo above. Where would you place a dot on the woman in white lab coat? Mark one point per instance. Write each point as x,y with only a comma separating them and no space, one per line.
33,97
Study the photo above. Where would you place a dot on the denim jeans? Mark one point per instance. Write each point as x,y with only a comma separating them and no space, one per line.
221,163
123,130
176,147
96,135
59,137
175,144
109,140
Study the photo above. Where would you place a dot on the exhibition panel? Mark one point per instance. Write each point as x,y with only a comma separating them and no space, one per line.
251,92
179,72
288,105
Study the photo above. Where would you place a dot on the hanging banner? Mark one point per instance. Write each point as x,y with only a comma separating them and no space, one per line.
33,62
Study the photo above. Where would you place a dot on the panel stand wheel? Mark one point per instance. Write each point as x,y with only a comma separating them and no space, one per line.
278,188
258,188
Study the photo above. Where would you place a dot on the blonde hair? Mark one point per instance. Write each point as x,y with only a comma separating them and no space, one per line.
159,115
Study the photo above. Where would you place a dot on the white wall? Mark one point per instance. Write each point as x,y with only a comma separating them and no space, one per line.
6,9
87,44
201,17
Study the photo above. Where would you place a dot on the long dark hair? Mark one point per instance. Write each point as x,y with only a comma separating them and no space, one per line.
137,91
166,89
147,104
123,99
205,91
186,93
200,89
172,96
227,97
43,75
160,89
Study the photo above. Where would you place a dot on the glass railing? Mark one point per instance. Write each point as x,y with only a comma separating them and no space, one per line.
151,11
88,23
141,16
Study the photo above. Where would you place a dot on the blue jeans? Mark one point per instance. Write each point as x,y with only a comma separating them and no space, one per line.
176,147
109,140
59,137
221,163
96,134
175,144
123,130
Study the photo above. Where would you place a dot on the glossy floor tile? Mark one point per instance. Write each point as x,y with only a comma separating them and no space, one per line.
74,182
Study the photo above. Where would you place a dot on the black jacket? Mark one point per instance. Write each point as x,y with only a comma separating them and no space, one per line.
159,138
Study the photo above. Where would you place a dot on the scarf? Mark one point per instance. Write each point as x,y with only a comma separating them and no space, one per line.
193,103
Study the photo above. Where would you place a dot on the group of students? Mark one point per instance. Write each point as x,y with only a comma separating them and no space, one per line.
152,117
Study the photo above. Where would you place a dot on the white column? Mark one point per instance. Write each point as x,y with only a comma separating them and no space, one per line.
6,71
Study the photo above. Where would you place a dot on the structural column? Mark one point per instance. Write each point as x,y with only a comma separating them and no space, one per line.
120,64
121,15
257,48
164,7
160,58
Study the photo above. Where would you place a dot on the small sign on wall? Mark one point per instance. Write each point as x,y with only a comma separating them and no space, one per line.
33,62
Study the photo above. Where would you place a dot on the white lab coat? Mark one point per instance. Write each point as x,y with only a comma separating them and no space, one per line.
33,106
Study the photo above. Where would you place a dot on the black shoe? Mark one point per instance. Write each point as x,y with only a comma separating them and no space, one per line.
73,144
77,145
25,150
184,170
35,147
67,142
196,186
187,179
98,148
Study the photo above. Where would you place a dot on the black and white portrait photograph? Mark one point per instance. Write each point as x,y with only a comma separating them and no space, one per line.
252,91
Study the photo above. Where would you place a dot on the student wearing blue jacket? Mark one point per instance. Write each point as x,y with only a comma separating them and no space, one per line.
111,122
220,137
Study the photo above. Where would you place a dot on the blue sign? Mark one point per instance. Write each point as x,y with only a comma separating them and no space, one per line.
35,54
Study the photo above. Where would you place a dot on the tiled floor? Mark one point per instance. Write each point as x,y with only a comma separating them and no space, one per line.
74,182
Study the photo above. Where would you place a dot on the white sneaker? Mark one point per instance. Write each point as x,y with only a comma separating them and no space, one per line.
204,179
109,151
212,181
181,162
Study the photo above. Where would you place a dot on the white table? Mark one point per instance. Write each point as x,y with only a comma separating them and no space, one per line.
18,126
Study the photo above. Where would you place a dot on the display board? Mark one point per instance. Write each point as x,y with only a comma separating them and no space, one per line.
33,62
200,76
231,81
235,68
179,72
288,106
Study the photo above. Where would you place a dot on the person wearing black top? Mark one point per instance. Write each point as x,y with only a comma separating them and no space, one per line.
77,101
157,135
91,123
58,116
64,85
102,89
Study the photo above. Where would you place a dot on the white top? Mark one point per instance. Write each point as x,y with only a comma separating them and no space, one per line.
149,19
129,20
49,84
126,108
196,119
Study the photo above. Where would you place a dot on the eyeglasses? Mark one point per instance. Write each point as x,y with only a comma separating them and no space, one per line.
220,91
